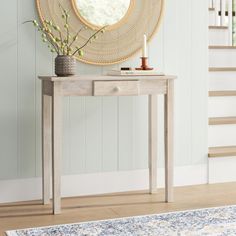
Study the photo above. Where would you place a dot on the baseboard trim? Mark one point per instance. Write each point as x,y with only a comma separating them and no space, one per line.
98,183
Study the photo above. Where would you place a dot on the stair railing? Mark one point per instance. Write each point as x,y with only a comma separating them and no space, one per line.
224,11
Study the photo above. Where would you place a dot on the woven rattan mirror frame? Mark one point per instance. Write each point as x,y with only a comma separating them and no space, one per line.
118,43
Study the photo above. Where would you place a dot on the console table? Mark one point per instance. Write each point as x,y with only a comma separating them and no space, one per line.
55,88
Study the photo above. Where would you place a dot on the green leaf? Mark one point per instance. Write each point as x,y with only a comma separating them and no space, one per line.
81,53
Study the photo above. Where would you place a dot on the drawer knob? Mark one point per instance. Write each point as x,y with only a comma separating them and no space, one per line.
117,89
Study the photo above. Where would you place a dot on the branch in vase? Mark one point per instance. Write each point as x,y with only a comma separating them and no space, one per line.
90,38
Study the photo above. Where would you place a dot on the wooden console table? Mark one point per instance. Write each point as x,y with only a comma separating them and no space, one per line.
54,88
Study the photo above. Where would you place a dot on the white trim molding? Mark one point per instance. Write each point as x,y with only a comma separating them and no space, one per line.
99,183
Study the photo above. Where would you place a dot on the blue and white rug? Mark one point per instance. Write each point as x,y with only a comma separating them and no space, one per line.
219,221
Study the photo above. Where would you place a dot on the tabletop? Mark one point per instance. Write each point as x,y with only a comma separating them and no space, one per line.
108,77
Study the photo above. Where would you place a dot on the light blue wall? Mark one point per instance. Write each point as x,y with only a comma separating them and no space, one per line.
101,134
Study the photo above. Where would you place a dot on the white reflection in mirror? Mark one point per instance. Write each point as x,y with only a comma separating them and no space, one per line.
102,12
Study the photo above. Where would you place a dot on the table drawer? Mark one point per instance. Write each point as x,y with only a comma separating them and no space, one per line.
116,88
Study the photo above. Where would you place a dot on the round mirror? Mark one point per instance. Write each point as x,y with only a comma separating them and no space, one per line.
99,13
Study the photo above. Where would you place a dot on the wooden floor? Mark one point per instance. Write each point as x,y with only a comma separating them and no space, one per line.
32,214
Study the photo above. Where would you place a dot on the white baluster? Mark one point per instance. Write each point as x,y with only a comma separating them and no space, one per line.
210,4
230,21
217,9
213,3
222,9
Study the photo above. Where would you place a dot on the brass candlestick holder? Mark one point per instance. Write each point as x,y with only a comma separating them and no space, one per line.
144,65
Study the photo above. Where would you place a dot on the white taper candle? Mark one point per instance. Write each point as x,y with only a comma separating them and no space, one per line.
144,54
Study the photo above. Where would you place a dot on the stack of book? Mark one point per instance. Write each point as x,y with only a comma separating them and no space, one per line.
135,73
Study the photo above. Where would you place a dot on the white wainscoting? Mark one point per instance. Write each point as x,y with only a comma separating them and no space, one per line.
102,134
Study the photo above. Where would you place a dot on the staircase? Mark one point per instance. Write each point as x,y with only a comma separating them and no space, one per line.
222,92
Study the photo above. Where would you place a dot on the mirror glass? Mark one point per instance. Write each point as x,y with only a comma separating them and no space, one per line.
102,12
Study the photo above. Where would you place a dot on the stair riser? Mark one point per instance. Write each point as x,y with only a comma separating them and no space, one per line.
222,58
222,84
222,170
218,37
222,75
222,81
221,135
221,106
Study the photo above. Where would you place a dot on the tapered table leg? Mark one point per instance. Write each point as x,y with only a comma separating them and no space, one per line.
46,144
56,146
152,138
169,133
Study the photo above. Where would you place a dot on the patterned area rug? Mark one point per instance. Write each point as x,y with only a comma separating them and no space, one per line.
219,221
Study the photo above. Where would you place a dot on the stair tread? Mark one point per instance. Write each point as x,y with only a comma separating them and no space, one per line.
222,93
222,69
223,151
222,120
221,47
217,27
